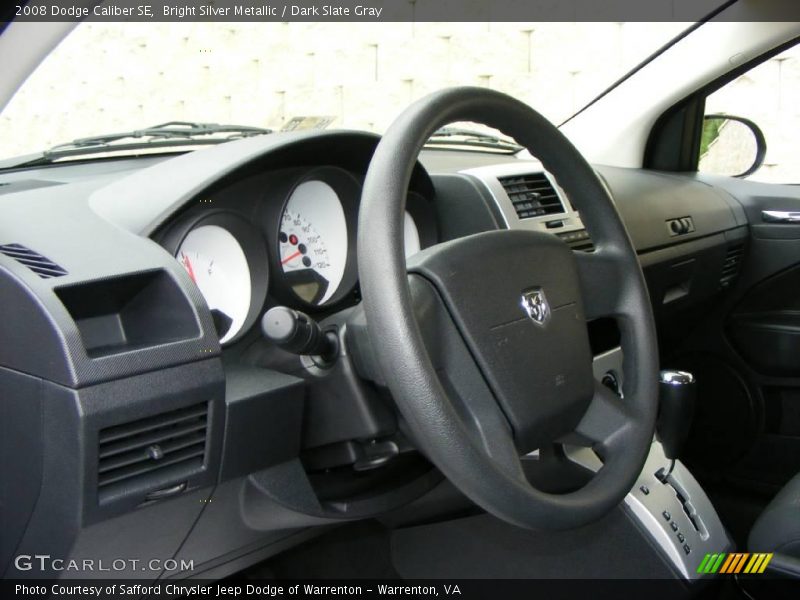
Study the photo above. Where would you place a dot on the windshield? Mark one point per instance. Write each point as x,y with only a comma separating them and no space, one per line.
109,77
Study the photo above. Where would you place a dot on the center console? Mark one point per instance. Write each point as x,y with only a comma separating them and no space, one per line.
667,503
677,514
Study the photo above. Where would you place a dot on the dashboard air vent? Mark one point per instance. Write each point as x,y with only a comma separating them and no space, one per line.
41,265
532,195
577,240
732,265
170,444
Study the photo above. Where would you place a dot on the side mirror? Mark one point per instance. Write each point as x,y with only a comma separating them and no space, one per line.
732,146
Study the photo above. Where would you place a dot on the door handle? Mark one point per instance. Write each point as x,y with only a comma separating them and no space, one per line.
780,216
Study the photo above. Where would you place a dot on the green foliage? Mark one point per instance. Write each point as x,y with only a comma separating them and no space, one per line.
711,128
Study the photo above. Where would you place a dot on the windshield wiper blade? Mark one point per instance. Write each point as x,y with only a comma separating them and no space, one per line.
166,135
458,136
177,131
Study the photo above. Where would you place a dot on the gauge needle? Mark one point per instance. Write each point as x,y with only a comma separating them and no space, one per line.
291,257
188,264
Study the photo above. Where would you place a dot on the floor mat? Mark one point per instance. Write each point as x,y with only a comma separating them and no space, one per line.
357,551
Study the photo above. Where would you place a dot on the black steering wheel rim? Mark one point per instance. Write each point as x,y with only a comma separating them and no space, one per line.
623,429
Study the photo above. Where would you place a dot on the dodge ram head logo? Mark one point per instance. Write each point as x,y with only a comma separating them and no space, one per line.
535,305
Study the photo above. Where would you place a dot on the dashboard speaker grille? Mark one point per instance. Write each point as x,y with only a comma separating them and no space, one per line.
532,195
41,265
170,444
732,265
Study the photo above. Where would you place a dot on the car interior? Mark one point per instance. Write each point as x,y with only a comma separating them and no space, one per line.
563,352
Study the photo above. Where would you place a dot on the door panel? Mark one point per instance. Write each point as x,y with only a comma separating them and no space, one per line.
747,426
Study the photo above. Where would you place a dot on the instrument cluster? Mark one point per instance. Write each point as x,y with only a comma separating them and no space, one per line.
293,242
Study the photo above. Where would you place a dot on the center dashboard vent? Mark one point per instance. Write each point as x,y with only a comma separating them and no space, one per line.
145,451
532,195
41,265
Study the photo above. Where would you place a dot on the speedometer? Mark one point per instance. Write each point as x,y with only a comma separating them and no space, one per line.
312,237
313,242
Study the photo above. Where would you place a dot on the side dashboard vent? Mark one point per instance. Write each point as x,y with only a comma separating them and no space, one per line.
532,195
166,445
732,265
41,265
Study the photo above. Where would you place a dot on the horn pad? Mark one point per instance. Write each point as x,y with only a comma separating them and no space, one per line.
515,297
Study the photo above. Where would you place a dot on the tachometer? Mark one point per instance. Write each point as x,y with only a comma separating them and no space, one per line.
216,262
313,242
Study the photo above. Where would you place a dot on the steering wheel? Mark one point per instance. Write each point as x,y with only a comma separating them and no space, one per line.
483,340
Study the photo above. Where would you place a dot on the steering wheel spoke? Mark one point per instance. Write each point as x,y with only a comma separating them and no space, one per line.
470,397
603,282
487,423
605,424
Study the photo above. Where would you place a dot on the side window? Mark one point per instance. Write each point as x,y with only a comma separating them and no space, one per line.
752,124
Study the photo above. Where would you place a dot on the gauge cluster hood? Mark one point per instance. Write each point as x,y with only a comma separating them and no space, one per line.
141,202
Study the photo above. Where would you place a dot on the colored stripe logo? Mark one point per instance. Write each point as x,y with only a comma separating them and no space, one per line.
734,562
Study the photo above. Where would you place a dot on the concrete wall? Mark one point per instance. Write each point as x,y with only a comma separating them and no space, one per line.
110,77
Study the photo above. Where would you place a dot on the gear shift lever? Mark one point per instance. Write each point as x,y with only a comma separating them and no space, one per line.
675,407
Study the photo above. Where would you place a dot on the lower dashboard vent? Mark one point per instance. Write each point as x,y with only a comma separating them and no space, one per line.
578,241
165,445
41,265
532,195
732,265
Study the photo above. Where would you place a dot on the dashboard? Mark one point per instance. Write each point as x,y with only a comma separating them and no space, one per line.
287,236
133,323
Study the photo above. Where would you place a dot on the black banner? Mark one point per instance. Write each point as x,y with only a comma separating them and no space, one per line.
464,589
402,10
469,589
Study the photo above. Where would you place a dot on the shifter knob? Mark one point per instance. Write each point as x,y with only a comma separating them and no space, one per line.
675,408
